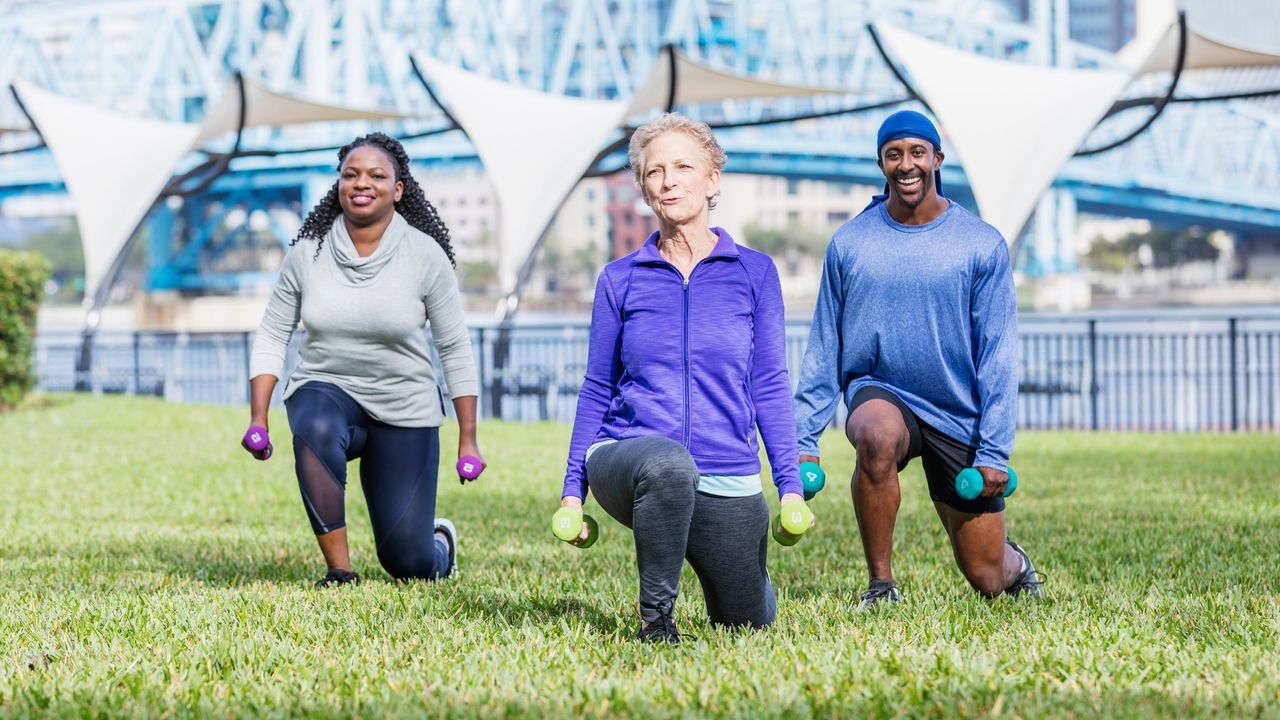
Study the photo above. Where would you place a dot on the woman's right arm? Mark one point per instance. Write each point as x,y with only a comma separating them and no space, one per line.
599,385
266,363
260,390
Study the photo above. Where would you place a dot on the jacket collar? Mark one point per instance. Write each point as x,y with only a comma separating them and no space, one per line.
725,248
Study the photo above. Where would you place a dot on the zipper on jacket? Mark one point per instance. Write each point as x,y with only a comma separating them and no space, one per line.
688,394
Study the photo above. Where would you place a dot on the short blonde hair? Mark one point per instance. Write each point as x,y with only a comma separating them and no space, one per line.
699,131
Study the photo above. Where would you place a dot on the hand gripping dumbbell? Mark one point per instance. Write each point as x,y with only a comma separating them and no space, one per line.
969,483
258,442
813,478
795,518
567,525
469,468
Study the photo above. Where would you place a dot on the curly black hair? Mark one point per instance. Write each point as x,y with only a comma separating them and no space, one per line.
413,203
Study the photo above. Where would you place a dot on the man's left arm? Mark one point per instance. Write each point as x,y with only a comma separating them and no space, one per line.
994,319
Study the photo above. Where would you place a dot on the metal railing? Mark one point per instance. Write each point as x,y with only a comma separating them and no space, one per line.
1102,373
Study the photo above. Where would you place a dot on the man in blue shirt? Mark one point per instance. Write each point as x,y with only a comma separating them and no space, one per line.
916,329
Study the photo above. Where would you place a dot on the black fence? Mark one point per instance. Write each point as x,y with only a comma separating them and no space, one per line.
1106,372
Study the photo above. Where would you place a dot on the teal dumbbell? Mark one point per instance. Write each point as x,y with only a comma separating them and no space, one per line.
567,525
969,483
814,479
794,517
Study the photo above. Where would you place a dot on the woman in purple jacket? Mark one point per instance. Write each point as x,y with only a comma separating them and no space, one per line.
687,360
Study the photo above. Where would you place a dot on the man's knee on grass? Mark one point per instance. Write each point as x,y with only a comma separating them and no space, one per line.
988,579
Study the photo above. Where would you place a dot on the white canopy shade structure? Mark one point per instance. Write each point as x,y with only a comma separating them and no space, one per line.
267,107
535,146
696,83
1220,34
1013,126
115,166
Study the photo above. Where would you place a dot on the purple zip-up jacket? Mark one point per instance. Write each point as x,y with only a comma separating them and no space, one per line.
702,363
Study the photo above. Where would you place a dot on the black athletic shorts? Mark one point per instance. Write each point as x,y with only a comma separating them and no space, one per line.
942,456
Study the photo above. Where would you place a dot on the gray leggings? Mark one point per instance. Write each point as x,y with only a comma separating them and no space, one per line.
650,485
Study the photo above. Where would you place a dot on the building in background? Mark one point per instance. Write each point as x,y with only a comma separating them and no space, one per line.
573,250
1107,24
467,204
630,220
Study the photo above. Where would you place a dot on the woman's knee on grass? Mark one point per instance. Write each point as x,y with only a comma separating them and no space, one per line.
412,563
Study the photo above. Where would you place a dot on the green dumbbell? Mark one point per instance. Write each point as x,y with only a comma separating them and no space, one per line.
794,517
969,483
814,479
567,525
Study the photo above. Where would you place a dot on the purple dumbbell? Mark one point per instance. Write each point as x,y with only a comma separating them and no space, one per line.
258,441
469,467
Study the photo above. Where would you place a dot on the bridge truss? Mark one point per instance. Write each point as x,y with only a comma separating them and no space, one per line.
1215,163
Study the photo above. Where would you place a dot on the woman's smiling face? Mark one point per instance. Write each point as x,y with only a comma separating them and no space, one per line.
367,185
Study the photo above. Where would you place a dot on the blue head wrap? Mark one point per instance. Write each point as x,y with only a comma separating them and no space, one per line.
905,124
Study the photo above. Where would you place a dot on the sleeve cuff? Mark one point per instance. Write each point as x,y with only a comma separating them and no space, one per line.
463,388
991,461
266,365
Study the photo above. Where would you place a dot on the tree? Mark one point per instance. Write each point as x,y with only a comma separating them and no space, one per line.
60,245
1166,247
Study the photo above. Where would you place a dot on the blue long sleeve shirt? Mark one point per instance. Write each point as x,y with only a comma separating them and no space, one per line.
701,361
927,312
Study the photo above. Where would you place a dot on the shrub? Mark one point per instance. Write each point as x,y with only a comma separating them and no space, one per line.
22,279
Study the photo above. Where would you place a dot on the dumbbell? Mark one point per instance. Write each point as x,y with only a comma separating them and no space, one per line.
469,468
567,525
258,441
969,483
814,479
794,517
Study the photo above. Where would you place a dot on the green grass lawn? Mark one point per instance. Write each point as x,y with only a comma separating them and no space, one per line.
149,567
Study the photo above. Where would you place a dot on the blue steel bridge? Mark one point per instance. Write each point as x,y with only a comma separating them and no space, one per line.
1216,164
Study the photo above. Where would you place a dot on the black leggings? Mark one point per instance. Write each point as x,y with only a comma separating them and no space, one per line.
397,471
650,485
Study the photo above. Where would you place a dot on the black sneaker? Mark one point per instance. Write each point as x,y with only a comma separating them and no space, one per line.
338,577
662,630
446,528
880,591
1028,580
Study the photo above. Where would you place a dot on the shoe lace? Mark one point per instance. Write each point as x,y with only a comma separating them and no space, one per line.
879,590
338,577
1032,577
665,624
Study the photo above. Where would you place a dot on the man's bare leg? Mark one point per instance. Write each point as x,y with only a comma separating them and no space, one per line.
880,436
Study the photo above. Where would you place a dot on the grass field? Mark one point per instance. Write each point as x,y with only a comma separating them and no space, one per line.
149,568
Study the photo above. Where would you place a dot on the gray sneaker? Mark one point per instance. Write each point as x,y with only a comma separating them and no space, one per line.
880,591
1029,580
445,526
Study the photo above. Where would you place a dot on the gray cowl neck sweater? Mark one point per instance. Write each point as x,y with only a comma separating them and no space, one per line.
364,318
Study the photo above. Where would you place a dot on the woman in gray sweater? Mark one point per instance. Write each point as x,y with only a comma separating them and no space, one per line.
371,265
